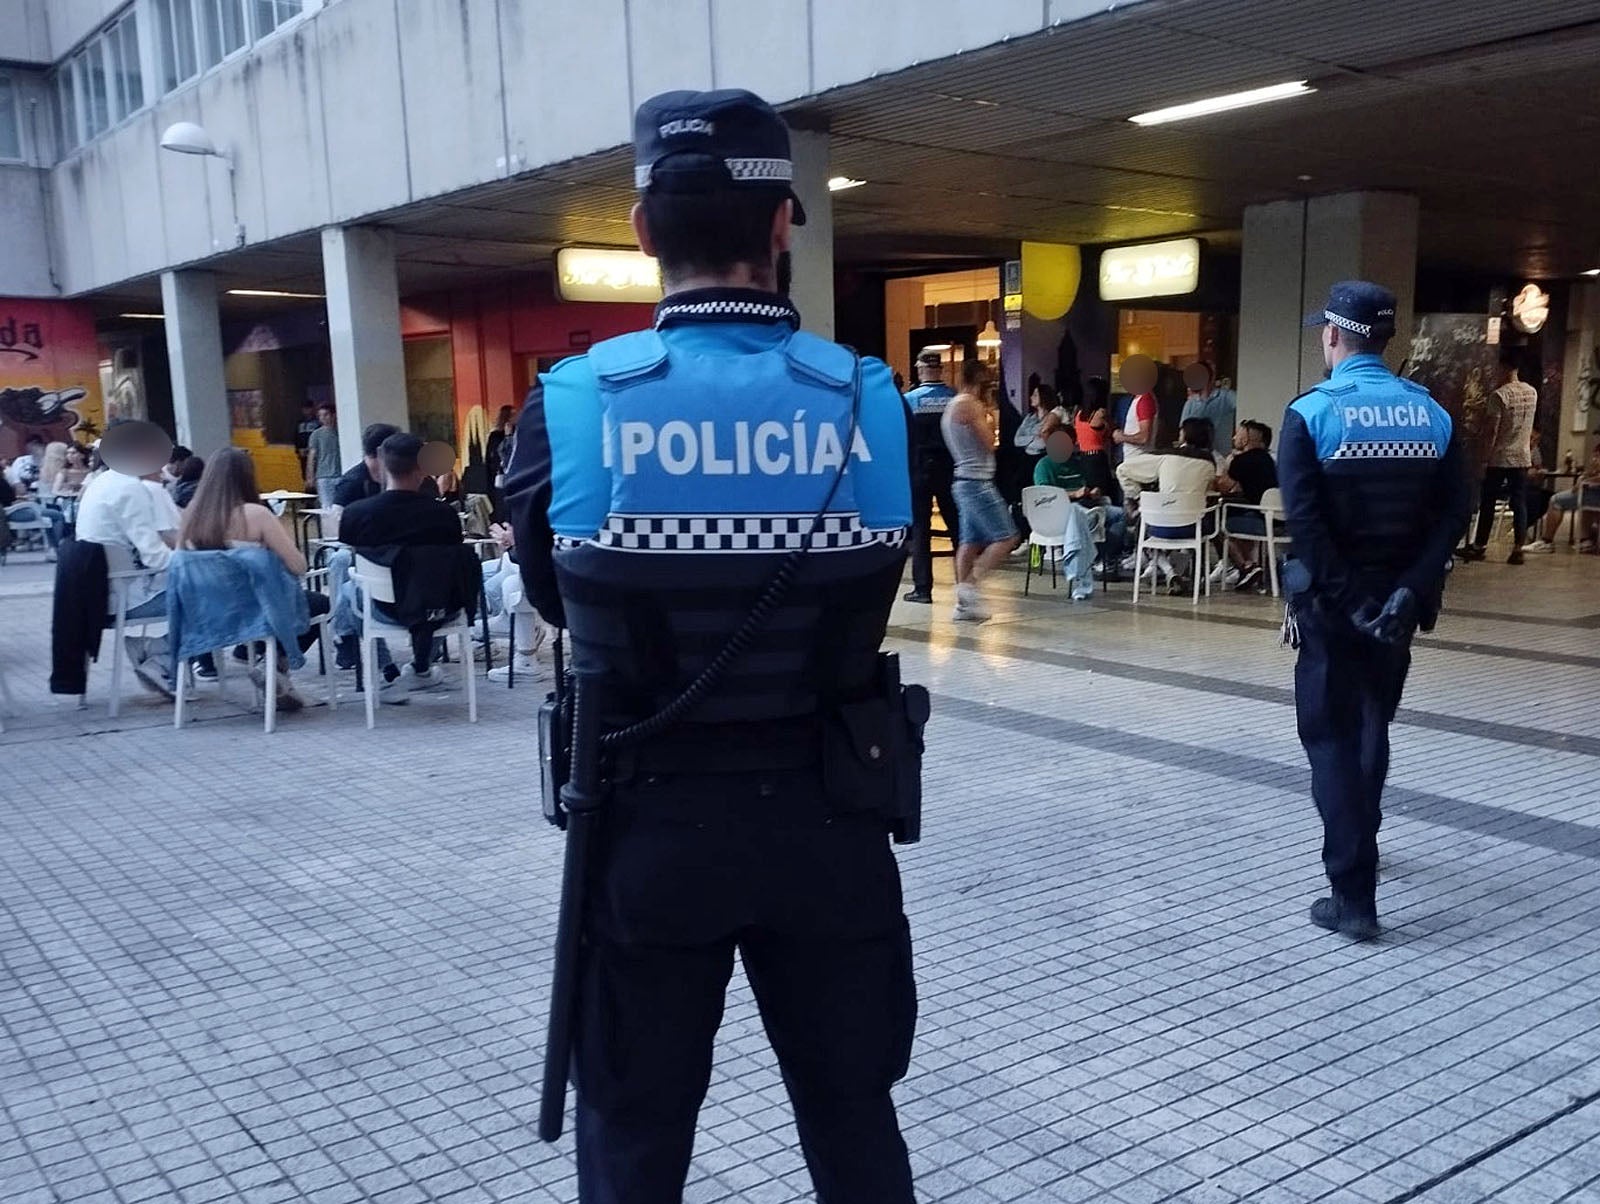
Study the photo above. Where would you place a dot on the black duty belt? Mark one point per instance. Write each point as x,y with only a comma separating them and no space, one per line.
726,748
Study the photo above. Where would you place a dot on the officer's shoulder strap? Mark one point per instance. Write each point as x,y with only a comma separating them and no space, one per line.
627,357
820,359
1412,386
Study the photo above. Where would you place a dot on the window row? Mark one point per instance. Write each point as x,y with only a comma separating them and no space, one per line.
102,82
10,120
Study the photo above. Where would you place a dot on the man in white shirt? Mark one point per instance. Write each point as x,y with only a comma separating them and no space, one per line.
23,472
126,507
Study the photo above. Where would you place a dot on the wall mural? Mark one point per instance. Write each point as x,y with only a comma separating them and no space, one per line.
49,374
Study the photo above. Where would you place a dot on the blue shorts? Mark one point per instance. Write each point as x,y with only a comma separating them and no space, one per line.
1247,522
1569,500
1186,531
985,517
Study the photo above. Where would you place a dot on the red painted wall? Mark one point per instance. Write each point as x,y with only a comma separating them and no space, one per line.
494,328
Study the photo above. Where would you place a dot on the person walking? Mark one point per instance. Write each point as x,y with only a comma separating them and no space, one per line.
668,488
931,471
1511,413
988,533
323,467
1373,492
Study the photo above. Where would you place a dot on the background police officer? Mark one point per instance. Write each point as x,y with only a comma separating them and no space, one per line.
1373,492
932,471
657,484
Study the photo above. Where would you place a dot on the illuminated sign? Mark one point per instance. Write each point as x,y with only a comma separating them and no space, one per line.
1152,269
1530,309
593,274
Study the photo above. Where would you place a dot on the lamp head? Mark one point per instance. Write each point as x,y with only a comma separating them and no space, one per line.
187,138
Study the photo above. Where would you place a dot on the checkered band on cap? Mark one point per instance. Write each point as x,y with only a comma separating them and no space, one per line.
1388,449
737,533
1340,320
741,171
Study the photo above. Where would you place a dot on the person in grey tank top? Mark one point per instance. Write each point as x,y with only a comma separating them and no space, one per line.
988,533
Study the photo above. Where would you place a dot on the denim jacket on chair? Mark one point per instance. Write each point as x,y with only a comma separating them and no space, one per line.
217,599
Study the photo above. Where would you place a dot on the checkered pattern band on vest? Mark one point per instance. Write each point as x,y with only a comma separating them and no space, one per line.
1340,320
669,311
734,533
747,171
1397,449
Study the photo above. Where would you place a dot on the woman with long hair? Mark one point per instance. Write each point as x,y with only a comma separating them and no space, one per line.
226,512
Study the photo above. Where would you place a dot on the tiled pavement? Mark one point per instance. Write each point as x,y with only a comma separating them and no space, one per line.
312,966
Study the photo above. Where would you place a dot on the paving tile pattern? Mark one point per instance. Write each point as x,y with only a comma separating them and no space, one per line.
312,966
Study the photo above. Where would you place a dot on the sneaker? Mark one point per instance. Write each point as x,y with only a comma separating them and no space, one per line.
525,665
1515,557
918,596
1539,545
1469,552
153,674
390,693
1338,914
1249,579
1219,575
203,671
969,607
431,678
288,700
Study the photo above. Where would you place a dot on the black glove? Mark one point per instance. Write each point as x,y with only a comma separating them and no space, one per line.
1395,623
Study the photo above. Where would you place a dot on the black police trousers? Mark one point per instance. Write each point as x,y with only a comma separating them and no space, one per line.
691,870
930,484
1347,689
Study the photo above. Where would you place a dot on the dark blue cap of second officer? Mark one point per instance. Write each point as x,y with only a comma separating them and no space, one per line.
689,141
1358,306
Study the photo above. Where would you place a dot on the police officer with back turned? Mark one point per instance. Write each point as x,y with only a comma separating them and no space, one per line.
716,511
1373,493
933,471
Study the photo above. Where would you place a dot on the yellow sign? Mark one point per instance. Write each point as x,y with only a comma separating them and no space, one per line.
1050,276
595,274
1152,269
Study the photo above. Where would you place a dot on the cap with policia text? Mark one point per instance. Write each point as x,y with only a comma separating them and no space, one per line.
930,358
1360,307
695,141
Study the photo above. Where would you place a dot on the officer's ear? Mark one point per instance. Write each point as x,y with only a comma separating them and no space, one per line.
641,230
782,228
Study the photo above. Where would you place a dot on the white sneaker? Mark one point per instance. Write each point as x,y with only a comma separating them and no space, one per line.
525,665
1219,574
431,678
390,693
1539,545
969,607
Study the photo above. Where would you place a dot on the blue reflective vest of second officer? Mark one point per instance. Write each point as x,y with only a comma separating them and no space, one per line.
686,462
1371,456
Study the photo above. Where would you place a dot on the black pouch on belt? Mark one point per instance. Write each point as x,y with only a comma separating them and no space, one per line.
872,753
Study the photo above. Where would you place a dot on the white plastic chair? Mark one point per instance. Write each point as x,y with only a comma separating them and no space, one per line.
1192,510
121,573
38,527
269,705
1047,509
1277,535
377,585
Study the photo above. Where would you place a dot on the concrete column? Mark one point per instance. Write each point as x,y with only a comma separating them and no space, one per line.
194,348
369,369
1580,374
1293,252
812,248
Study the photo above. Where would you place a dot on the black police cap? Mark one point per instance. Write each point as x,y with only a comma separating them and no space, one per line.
694,141
1360,307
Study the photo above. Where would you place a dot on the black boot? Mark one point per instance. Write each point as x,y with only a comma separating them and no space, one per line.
1357,920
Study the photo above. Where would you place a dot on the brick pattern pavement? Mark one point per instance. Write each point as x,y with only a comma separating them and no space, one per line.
312,966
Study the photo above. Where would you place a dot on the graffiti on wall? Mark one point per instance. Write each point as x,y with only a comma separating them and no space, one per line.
49,374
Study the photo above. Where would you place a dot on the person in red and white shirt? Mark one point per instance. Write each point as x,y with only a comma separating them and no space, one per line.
1141,465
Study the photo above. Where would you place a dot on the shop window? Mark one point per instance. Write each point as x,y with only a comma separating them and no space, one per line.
10,120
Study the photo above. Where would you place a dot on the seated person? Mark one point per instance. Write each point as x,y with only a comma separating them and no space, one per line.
1064,467
188,480
26,496
399,517
1190,471
1585,491
1251,471
502,593
1537,493
365,479
226,511
74,472
121,508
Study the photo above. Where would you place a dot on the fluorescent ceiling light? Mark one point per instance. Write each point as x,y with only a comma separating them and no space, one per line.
843,183
272,292
1221,104
150,317
1592,272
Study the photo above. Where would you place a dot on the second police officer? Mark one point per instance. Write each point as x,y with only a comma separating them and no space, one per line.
933,470
1374,496
658,483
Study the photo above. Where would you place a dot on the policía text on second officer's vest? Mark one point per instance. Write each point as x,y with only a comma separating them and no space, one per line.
717,465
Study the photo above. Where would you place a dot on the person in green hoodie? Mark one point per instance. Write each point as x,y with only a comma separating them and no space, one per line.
1064,467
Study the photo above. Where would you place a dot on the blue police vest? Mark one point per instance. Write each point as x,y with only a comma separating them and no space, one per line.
927,404
1379,438
712,467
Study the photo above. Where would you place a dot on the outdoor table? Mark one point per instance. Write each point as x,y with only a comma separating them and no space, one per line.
290,504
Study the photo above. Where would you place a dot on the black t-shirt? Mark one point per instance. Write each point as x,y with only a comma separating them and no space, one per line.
1255,471
399,518
354,485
